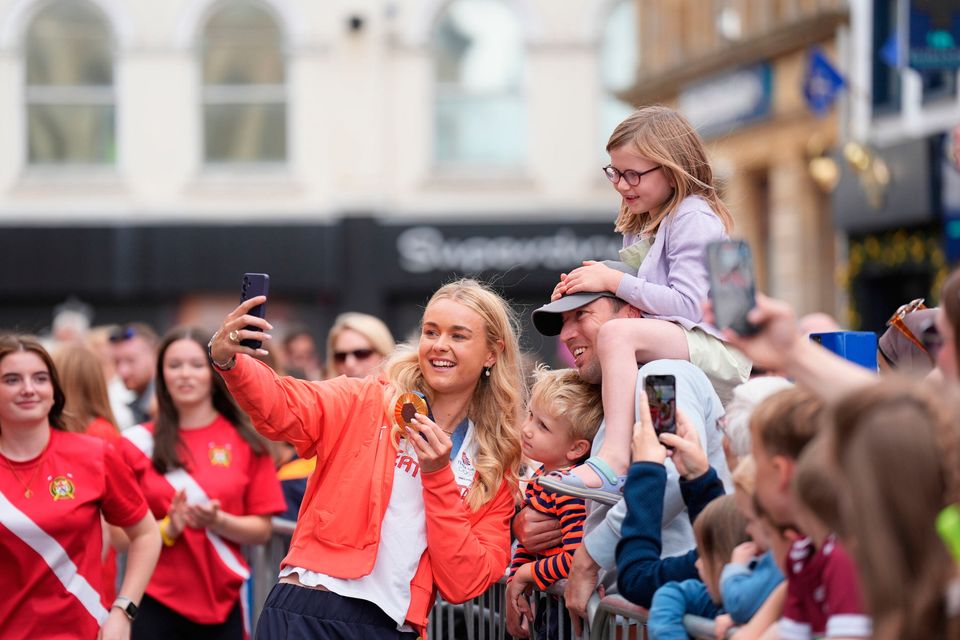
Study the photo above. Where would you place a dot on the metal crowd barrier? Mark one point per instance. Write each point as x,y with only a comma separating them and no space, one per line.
484,617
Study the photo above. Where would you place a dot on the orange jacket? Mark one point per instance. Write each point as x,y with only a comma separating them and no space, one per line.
343,422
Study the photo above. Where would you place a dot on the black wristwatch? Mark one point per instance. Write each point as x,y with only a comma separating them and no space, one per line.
126,605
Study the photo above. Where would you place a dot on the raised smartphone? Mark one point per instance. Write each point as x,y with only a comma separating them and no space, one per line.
661,393
253,285
732,288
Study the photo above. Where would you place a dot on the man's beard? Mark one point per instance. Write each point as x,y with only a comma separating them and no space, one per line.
591,372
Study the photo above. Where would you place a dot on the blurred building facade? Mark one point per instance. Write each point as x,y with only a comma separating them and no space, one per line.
736,69
360,151
363,151
897,200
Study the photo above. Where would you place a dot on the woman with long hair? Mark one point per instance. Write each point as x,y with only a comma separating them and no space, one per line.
88,405
208,477
54,488
412,494
896,448
87,410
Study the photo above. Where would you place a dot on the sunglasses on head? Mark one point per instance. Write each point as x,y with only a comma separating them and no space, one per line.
359,354
121,334
896,320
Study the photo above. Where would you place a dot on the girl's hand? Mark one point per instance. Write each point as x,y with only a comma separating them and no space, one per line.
433,453
115,627
177,514
202,516
646,447
722,624
560,289
518,609
744,552
688,455
593,276
225,344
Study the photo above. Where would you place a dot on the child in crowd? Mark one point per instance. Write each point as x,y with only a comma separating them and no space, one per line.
640,568
752,573
669,213
720,530
823,593
564,415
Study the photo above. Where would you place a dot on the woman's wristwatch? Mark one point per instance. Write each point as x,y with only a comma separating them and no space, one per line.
126,605
222,366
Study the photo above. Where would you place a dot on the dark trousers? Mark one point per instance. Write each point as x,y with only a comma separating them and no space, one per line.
292,612
552,619
159,622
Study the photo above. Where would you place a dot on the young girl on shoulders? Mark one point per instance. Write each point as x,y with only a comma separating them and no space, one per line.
670,212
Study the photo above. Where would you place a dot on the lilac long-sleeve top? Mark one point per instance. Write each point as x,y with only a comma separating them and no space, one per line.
672,279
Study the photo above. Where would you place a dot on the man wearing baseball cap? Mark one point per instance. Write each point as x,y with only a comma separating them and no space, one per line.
576,319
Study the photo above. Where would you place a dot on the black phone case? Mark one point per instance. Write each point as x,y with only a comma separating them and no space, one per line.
253,285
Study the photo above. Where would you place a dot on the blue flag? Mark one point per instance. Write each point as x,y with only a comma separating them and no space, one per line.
822,83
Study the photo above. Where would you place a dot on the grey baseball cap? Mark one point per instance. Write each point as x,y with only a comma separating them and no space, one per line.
548,319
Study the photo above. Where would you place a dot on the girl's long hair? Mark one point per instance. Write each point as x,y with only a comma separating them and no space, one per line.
84,386
14,343
664,136
496,407
896,446
168,445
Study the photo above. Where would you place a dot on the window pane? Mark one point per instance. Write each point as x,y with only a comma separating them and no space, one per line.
242,45
618,50
486,131
69,43
245,132
478,46
479,118
80,134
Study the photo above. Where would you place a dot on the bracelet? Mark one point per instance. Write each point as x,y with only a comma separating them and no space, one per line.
168,540
222,366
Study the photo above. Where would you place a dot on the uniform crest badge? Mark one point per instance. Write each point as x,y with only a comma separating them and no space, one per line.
220,455
62,488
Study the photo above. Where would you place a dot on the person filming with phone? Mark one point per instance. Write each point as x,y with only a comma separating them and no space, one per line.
416,477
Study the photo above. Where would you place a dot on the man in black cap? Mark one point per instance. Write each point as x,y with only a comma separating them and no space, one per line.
576,319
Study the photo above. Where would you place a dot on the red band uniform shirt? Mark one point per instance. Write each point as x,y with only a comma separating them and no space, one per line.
191,578
47,594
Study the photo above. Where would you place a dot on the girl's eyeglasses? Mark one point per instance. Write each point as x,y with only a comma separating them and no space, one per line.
632,177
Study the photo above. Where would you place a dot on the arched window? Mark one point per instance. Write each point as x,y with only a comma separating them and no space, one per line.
244,92
618,65
71,115
479,112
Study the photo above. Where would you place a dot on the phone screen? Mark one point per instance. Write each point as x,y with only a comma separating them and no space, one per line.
732,289
662,397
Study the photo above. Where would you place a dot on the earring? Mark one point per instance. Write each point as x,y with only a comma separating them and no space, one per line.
486,371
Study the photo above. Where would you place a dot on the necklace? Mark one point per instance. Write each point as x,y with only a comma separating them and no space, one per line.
27,492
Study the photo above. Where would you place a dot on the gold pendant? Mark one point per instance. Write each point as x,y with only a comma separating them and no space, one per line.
28,493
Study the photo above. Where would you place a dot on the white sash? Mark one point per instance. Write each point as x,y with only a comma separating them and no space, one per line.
54,555
142,439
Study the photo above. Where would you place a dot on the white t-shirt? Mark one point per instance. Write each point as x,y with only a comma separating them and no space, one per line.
403,539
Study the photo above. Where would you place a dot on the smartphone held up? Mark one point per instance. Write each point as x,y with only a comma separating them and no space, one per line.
253,285
732,286
661,393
